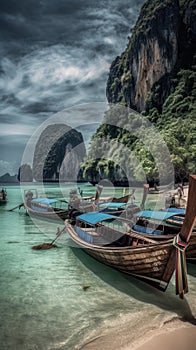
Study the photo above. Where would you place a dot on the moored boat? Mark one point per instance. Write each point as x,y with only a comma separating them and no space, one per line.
3,196
46,208
147,259
52,208
123,199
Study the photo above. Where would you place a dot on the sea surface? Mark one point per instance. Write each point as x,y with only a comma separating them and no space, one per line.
43,302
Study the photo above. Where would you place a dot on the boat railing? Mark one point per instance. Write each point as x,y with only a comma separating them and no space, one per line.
91,238
87,237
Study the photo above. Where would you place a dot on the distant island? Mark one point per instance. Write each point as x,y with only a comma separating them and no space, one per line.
7,178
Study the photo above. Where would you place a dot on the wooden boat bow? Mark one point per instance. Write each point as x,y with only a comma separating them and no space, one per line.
181,241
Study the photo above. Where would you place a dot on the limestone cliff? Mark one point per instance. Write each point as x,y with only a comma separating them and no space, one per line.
58,154
155,75
162,41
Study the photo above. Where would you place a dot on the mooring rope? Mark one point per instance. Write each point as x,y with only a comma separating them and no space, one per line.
181,269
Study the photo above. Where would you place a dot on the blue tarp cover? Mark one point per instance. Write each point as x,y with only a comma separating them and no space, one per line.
147,230
159,215
45,201
177,210
93,218
112,205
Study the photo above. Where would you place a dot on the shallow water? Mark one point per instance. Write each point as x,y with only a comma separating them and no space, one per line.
43,304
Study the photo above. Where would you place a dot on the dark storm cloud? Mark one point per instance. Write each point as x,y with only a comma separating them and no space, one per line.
49,19
18,7
55,54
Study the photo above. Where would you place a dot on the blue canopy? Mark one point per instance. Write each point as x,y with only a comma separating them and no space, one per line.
158,215
93,218
45,201
112,205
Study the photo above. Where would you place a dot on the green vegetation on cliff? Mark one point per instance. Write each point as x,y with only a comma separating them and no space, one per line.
156,76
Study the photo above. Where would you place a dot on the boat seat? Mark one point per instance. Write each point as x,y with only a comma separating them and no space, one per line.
147,230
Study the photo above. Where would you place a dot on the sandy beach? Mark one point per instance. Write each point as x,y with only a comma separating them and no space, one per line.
181,339
175,335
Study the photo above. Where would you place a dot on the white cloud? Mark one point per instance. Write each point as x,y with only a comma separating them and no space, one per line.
7,167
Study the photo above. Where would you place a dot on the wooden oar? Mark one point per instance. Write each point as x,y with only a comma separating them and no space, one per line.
180,243
18,206
49,245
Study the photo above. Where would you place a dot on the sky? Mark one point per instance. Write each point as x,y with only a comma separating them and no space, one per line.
55,54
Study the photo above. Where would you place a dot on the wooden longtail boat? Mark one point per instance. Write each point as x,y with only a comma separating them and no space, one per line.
176,220
123,208
113,208
155,225
126,198
151,261
46,208
123,199
51,208
3,196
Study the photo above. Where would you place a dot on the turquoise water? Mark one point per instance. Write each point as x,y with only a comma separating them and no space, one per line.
42,301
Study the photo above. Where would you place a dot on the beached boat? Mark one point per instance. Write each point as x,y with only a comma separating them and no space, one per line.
144,258
3,196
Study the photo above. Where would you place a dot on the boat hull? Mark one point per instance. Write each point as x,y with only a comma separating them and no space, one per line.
3,201
190,250
55,214
147,262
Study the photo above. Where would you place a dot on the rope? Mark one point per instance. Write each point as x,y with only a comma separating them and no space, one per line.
181,269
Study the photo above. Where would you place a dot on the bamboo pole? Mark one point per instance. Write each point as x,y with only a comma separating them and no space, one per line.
180,242
190,217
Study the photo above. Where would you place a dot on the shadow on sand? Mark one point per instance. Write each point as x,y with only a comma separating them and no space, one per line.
191,268
140,290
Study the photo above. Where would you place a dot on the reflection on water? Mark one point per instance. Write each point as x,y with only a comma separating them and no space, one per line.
44,303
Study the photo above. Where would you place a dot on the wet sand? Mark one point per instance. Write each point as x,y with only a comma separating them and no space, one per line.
181,339
166,338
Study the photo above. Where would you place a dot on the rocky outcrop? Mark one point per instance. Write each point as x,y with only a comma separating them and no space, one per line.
7,178
162,40
58,154
25,173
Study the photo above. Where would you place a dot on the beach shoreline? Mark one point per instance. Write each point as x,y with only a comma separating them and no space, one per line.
175,334
182,338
